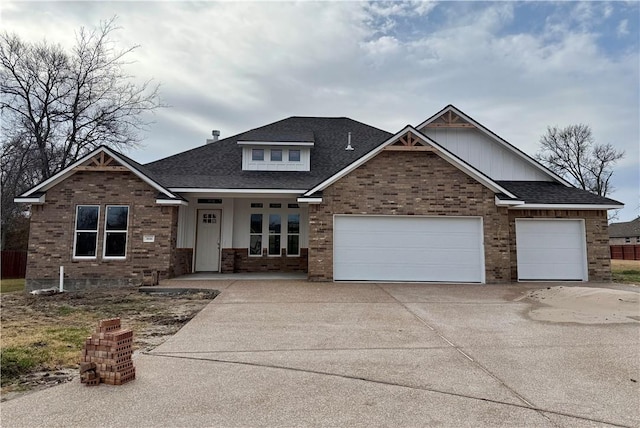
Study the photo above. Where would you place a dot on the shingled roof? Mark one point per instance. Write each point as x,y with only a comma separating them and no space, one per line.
550,192
219,165
625,230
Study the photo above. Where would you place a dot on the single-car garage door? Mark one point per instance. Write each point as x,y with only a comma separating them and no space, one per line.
551,250
408,248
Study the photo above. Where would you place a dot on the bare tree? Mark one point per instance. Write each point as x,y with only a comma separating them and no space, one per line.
572,153
57,105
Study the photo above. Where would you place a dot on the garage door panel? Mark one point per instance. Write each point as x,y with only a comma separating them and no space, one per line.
402,272
412,242
552,256
395,248
551,250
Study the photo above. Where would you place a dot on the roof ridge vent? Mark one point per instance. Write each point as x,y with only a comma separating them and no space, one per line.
349,143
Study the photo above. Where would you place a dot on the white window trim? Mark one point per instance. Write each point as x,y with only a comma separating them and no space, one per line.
293,234
283,212
264,152
278,212
261,234
271,159
104,237
75,233
299,156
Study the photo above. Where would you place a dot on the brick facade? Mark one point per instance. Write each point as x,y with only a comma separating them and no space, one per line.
409,183
597,236
391,183
53,228
182,261
422,183
237,260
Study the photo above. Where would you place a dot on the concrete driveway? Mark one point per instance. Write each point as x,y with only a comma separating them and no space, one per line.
292,353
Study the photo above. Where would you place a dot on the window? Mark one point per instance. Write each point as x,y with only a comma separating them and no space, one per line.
274,234
293,235
86,237
294,155
115,231
627,240
274,227
276,155
255,235
257,154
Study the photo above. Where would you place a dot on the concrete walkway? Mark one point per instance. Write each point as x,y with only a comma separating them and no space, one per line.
293,353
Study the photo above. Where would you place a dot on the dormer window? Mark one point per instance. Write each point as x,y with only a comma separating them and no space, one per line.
276,151
257,154
276,155
294,155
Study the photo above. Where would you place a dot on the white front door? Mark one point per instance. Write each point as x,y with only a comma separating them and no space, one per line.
208,241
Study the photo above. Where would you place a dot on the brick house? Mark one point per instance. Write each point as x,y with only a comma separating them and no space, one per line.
444,201
626,233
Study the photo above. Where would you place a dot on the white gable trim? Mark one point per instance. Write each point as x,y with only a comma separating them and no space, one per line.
310,200
276,143
442,152
36,200
499,140
566,207
171,202
69,171
507,203
221,190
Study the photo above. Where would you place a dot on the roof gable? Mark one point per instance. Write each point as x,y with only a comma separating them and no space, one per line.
101,159
410,139
450,119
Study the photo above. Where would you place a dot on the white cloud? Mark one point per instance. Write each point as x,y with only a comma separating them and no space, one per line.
623,28
234,66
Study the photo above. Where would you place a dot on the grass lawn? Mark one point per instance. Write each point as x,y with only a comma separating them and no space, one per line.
47,333
626,271
11,285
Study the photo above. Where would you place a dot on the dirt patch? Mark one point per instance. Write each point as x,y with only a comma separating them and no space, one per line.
584,305
42,336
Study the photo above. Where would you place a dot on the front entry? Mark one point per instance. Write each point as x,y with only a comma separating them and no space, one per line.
208,241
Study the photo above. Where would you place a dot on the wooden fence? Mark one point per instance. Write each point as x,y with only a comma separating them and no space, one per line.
14,264
625,252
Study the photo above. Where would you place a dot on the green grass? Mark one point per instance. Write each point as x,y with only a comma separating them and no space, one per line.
626,271
11,285
65,310
627,276
16,361
74,336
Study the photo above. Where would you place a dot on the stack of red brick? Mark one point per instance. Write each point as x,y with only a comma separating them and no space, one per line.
106,356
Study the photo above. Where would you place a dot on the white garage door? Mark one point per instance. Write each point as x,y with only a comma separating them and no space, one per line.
551,250
408,248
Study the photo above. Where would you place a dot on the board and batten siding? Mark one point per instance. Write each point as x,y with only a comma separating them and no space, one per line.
485,154
187,222
283,165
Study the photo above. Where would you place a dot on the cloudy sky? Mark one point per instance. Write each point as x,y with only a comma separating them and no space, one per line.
516,67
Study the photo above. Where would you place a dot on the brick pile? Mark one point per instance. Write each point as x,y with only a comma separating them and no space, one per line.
106,356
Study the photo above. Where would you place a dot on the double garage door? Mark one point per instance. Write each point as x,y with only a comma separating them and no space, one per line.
451,249
408,248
